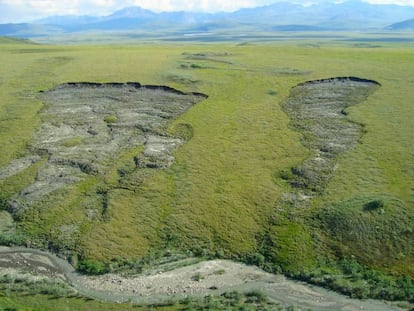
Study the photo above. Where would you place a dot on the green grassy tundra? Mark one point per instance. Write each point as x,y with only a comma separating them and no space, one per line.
223,196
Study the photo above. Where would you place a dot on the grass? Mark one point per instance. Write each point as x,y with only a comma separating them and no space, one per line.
252,300
222,195
374,230
350,278
11,40
111,119
72,142
14,301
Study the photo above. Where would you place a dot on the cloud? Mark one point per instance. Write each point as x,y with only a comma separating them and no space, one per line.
398,2
26,10
18,10
201,5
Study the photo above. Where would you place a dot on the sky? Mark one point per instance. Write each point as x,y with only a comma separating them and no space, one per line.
15,11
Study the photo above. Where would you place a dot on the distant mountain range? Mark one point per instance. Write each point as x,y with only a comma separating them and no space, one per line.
404,25
352,15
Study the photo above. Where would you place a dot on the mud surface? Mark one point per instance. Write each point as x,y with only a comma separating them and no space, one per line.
200,279
30,264
318,110
85,126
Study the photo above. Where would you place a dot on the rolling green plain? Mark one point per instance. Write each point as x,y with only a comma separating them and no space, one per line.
223,197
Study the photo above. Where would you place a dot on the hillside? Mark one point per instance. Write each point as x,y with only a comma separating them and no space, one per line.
404,25
27,30
294,158
11,40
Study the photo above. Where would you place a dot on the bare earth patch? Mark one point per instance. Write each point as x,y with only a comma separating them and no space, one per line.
318,110
85,126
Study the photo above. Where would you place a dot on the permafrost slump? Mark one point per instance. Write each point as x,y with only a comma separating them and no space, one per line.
318,110
85,126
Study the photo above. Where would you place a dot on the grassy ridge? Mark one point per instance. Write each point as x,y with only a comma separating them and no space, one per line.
222,194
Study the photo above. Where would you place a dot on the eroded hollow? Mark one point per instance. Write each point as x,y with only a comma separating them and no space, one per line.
318,110
85,126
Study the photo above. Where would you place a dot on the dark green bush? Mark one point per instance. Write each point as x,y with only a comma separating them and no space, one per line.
4,204
373,205
197,277
256,296
355,280
92,267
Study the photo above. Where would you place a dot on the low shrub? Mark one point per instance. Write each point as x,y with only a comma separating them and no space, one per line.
373,205
355,280
92,267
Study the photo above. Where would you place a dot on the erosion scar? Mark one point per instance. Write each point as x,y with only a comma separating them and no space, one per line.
318,110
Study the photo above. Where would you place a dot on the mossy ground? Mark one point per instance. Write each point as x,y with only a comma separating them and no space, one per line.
221,195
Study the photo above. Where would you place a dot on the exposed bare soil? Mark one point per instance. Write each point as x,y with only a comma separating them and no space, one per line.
318,110
85,126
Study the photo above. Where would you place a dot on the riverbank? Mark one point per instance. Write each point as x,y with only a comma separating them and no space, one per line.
211,277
